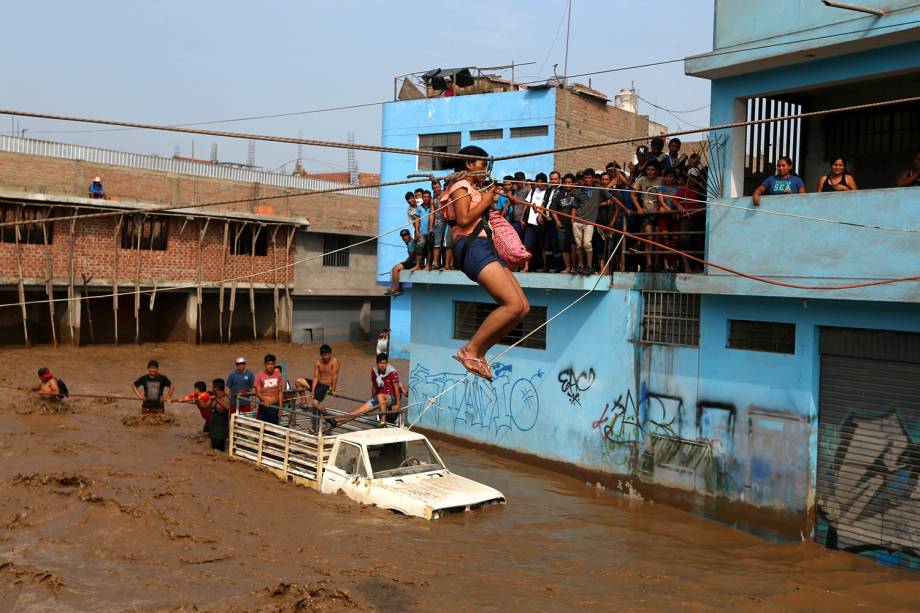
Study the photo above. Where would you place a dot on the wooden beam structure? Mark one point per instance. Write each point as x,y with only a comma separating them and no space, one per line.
21,281
223,275
252,281
49,276
201,235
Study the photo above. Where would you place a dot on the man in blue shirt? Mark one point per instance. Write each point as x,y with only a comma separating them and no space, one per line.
239,382
408,264
96,190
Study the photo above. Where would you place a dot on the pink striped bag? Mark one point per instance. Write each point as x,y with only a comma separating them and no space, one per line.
507,242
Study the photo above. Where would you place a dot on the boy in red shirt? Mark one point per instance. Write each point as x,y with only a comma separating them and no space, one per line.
386,393
269,387
202,400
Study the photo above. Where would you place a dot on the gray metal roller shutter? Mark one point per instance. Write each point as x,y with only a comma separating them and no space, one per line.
868,495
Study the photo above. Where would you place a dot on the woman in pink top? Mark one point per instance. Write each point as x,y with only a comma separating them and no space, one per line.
475,255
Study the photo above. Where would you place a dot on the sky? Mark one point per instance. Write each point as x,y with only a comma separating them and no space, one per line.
168,62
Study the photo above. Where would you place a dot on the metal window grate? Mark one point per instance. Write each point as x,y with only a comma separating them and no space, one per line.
145,233
528,131
495,134
447,142
468,316
761,336
332,242
671,318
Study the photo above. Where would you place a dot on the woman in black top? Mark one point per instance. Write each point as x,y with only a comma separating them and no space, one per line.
838,180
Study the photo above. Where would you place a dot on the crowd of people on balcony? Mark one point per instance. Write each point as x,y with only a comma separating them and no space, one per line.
659,195
568,221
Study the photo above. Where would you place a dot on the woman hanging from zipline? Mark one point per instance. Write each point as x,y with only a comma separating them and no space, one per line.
468,204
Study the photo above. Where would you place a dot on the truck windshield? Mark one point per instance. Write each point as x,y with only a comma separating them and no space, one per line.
405,458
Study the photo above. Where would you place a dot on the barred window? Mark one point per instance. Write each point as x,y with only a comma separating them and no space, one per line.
527,131
242,244
146,233
331,256
447,142
30,233
761,336
671,318
495,134
468,316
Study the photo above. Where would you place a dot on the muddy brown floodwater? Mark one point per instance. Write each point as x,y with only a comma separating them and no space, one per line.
101,511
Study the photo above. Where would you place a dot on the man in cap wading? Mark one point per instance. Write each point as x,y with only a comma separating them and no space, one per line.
239,383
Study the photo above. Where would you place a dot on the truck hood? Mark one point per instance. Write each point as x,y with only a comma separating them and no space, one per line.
440,490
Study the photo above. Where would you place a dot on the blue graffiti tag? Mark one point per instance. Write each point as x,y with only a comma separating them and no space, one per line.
502,405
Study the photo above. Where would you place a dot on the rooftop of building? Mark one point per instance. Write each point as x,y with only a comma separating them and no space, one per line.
8,195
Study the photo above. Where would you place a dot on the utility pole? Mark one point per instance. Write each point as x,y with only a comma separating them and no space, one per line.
568,30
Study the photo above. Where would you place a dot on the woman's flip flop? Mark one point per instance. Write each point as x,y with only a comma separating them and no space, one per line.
480,367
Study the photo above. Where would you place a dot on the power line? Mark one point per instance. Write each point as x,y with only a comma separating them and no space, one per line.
217,121
253,137
725,126
730,51
584,74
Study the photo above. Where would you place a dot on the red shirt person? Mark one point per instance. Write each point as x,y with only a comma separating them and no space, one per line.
269,387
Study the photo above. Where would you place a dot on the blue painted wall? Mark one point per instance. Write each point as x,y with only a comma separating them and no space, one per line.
764,244
404,121
756,30
724,422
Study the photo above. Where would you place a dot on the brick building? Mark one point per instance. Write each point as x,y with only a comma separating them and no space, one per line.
330,297
167,267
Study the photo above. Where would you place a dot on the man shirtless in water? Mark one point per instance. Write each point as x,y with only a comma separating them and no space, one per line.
48,388
325,376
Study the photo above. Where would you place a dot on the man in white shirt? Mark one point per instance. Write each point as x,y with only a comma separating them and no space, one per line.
534,220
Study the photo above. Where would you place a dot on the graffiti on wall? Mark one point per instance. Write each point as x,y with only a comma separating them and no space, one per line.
692,445
504,405
872,500
572,385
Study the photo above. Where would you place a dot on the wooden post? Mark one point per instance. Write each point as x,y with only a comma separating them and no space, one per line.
49,279
252,280
287,450
320,452
137,280
117,246
287,286
223,275
71,289
89,313
261,441
201,236
22,287
275,276
236,248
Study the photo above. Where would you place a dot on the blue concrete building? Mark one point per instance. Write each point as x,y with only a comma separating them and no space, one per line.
785,400
502,123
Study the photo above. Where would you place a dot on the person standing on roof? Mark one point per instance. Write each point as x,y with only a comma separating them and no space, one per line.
240,382
96,191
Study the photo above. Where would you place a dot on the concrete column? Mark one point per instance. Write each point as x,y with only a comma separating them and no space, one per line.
191,317
285,315
364,318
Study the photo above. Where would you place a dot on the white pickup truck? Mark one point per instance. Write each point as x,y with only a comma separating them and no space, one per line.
393,468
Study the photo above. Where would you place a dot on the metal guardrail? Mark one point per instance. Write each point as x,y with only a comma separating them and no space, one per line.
29,146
